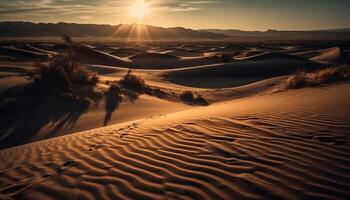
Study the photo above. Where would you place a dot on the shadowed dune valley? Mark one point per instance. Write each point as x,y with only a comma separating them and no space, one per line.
174,100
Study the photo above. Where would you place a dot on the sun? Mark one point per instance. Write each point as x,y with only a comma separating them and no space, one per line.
139,9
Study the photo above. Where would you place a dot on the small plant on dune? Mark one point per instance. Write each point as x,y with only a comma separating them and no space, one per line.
189,97
114,86
329,75
201,100
131,81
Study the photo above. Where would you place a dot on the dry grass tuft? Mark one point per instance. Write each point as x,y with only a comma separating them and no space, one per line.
189,97
62,74
303,79
133,82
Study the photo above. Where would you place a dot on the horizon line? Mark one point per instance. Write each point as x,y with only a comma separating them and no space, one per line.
224,29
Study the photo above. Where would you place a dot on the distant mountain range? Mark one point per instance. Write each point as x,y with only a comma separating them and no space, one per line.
28,29
343,33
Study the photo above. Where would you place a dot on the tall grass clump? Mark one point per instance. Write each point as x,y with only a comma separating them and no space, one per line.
309,79
131,81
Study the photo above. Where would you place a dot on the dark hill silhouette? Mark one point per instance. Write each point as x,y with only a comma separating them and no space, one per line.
343,33
28,29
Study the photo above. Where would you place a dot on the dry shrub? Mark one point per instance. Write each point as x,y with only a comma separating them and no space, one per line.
329,75
201,100
189,97
133,82
115,87
61,74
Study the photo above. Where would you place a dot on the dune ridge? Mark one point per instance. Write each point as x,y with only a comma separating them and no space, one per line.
290,145
246,71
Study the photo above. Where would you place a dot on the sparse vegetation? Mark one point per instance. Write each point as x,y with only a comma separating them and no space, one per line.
62,73
114,86
329,75
133,82
201,100
189,97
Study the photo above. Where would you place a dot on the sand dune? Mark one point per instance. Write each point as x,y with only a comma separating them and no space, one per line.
244,71
152,56
331,55
31,48
182,52
251,142
15,54
91,56
166,61
143,60
40,122
275,56
125,52
291,145
334,55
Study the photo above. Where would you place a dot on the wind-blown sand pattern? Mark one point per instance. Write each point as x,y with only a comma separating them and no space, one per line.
289,145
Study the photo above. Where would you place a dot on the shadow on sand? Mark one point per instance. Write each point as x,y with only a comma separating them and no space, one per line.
112,100
25,113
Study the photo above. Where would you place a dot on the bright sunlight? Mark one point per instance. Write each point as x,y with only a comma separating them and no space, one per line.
139,9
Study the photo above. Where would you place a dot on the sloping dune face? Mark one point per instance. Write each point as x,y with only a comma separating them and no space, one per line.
331,55
125,52
241,72
292,145
91,56
14,54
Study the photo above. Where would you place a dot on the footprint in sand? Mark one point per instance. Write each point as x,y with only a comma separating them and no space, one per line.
95,147
66,165
123,135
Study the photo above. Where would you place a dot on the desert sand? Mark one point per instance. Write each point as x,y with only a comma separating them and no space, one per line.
291,145
253,140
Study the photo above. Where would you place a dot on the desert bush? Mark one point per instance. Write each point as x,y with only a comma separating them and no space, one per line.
156,92
328,75
132,81
61,74
201,100
189,97
114,86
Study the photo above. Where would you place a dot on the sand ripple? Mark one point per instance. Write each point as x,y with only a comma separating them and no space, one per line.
281,146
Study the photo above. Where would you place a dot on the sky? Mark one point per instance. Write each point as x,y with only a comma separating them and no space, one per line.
196,14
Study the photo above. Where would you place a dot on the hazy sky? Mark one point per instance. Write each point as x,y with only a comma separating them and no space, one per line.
236,14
